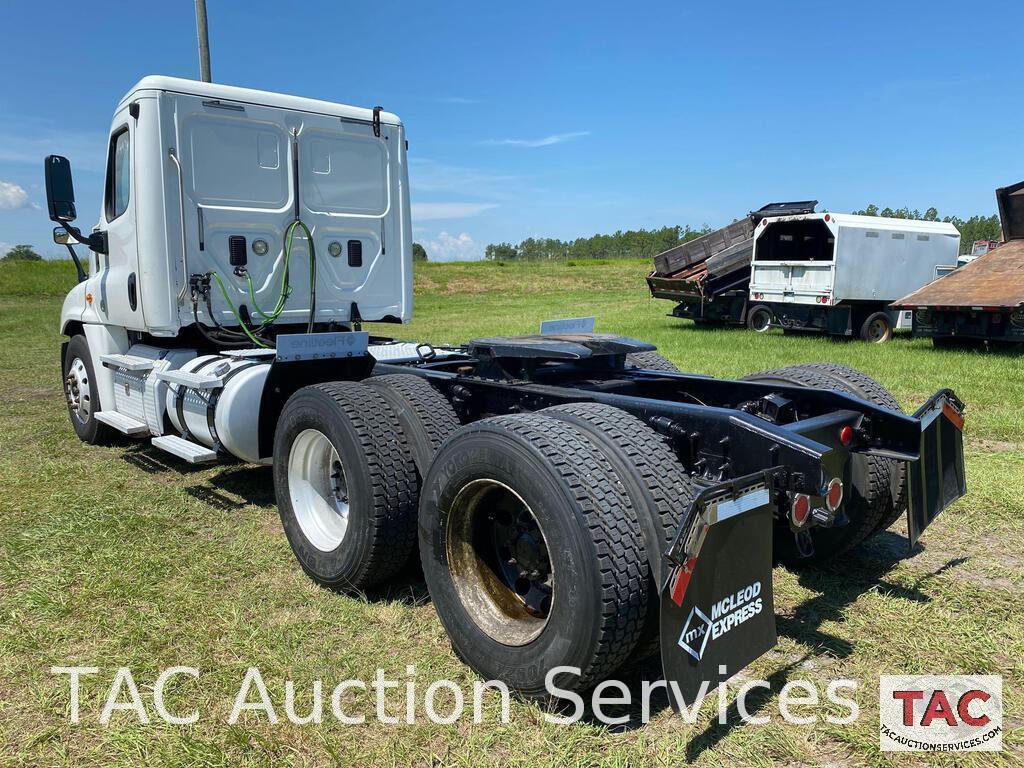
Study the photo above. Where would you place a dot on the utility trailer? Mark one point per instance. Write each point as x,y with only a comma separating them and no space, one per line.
838,273
982,301
708,277
575,501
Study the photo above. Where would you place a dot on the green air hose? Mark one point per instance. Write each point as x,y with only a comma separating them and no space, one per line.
285,287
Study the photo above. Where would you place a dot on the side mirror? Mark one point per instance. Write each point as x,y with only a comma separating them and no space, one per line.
60,190
62,237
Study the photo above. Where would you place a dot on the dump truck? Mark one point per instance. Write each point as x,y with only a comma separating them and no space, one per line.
982,301
708,277
576,502
838,273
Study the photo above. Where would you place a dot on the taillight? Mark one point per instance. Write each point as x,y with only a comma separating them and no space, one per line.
827,217
834,494
846,435
801,509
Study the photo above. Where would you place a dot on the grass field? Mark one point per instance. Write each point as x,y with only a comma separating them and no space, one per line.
120,556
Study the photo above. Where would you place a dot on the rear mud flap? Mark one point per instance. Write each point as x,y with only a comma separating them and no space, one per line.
717,606
937,478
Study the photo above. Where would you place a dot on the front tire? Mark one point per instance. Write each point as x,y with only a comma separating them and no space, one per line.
346,485
82,393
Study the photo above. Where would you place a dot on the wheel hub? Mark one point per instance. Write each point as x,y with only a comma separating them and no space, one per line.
318,489
499,562
77,391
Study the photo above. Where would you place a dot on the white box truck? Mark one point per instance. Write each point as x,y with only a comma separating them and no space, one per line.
838,273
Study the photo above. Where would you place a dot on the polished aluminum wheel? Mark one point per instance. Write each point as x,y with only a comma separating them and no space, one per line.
77,391
318,489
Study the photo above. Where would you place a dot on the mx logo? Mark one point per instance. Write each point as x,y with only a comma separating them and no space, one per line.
695,634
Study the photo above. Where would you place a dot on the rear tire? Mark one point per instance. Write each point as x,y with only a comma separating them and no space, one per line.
868,502
876,329
651,361
658,488
759,318
81,393
425,415
513,612
868,389
346,485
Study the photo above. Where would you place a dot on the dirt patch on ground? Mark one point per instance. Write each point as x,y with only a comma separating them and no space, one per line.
22,394
991,559
994,446
468,285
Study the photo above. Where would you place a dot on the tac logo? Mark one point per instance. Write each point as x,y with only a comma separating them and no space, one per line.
696,633
940,713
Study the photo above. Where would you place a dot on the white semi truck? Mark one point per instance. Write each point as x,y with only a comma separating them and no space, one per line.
574,499
838,273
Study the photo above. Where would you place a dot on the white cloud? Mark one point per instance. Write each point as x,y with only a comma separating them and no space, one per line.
13,197
453,248
547,141
435,211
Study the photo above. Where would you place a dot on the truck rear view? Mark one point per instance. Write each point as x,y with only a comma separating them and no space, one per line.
837,273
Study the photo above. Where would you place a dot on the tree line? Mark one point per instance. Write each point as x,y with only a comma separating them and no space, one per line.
631,244
647,243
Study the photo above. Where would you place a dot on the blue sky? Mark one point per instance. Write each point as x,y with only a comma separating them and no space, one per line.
563,119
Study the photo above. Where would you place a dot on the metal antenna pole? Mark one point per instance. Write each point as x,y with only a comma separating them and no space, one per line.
204,41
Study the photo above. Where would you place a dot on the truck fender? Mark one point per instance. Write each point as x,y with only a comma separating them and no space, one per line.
286,377
105,340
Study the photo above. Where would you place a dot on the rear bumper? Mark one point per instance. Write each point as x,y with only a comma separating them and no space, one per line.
719,564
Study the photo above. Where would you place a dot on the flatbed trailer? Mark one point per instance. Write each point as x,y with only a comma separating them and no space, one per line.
982,301
573,499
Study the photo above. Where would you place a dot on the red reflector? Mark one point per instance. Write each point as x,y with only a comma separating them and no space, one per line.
801,508
834,495
682,581
827,217
846,435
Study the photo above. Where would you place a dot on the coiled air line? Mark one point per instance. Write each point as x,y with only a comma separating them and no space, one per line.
285,286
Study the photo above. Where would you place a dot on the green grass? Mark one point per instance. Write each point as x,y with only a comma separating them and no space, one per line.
119,556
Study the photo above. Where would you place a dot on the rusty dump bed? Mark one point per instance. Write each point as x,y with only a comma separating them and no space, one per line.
994,280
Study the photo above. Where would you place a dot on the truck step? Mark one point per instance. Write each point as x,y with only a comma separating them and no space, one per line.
191,452
127,362
124,424
191,380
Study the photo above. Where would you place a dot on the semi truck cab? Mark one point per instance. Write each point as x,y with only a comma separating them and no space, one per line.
205,178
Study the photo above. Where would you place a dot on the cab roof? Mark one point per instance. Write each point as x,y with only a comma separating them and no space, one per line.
252,96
